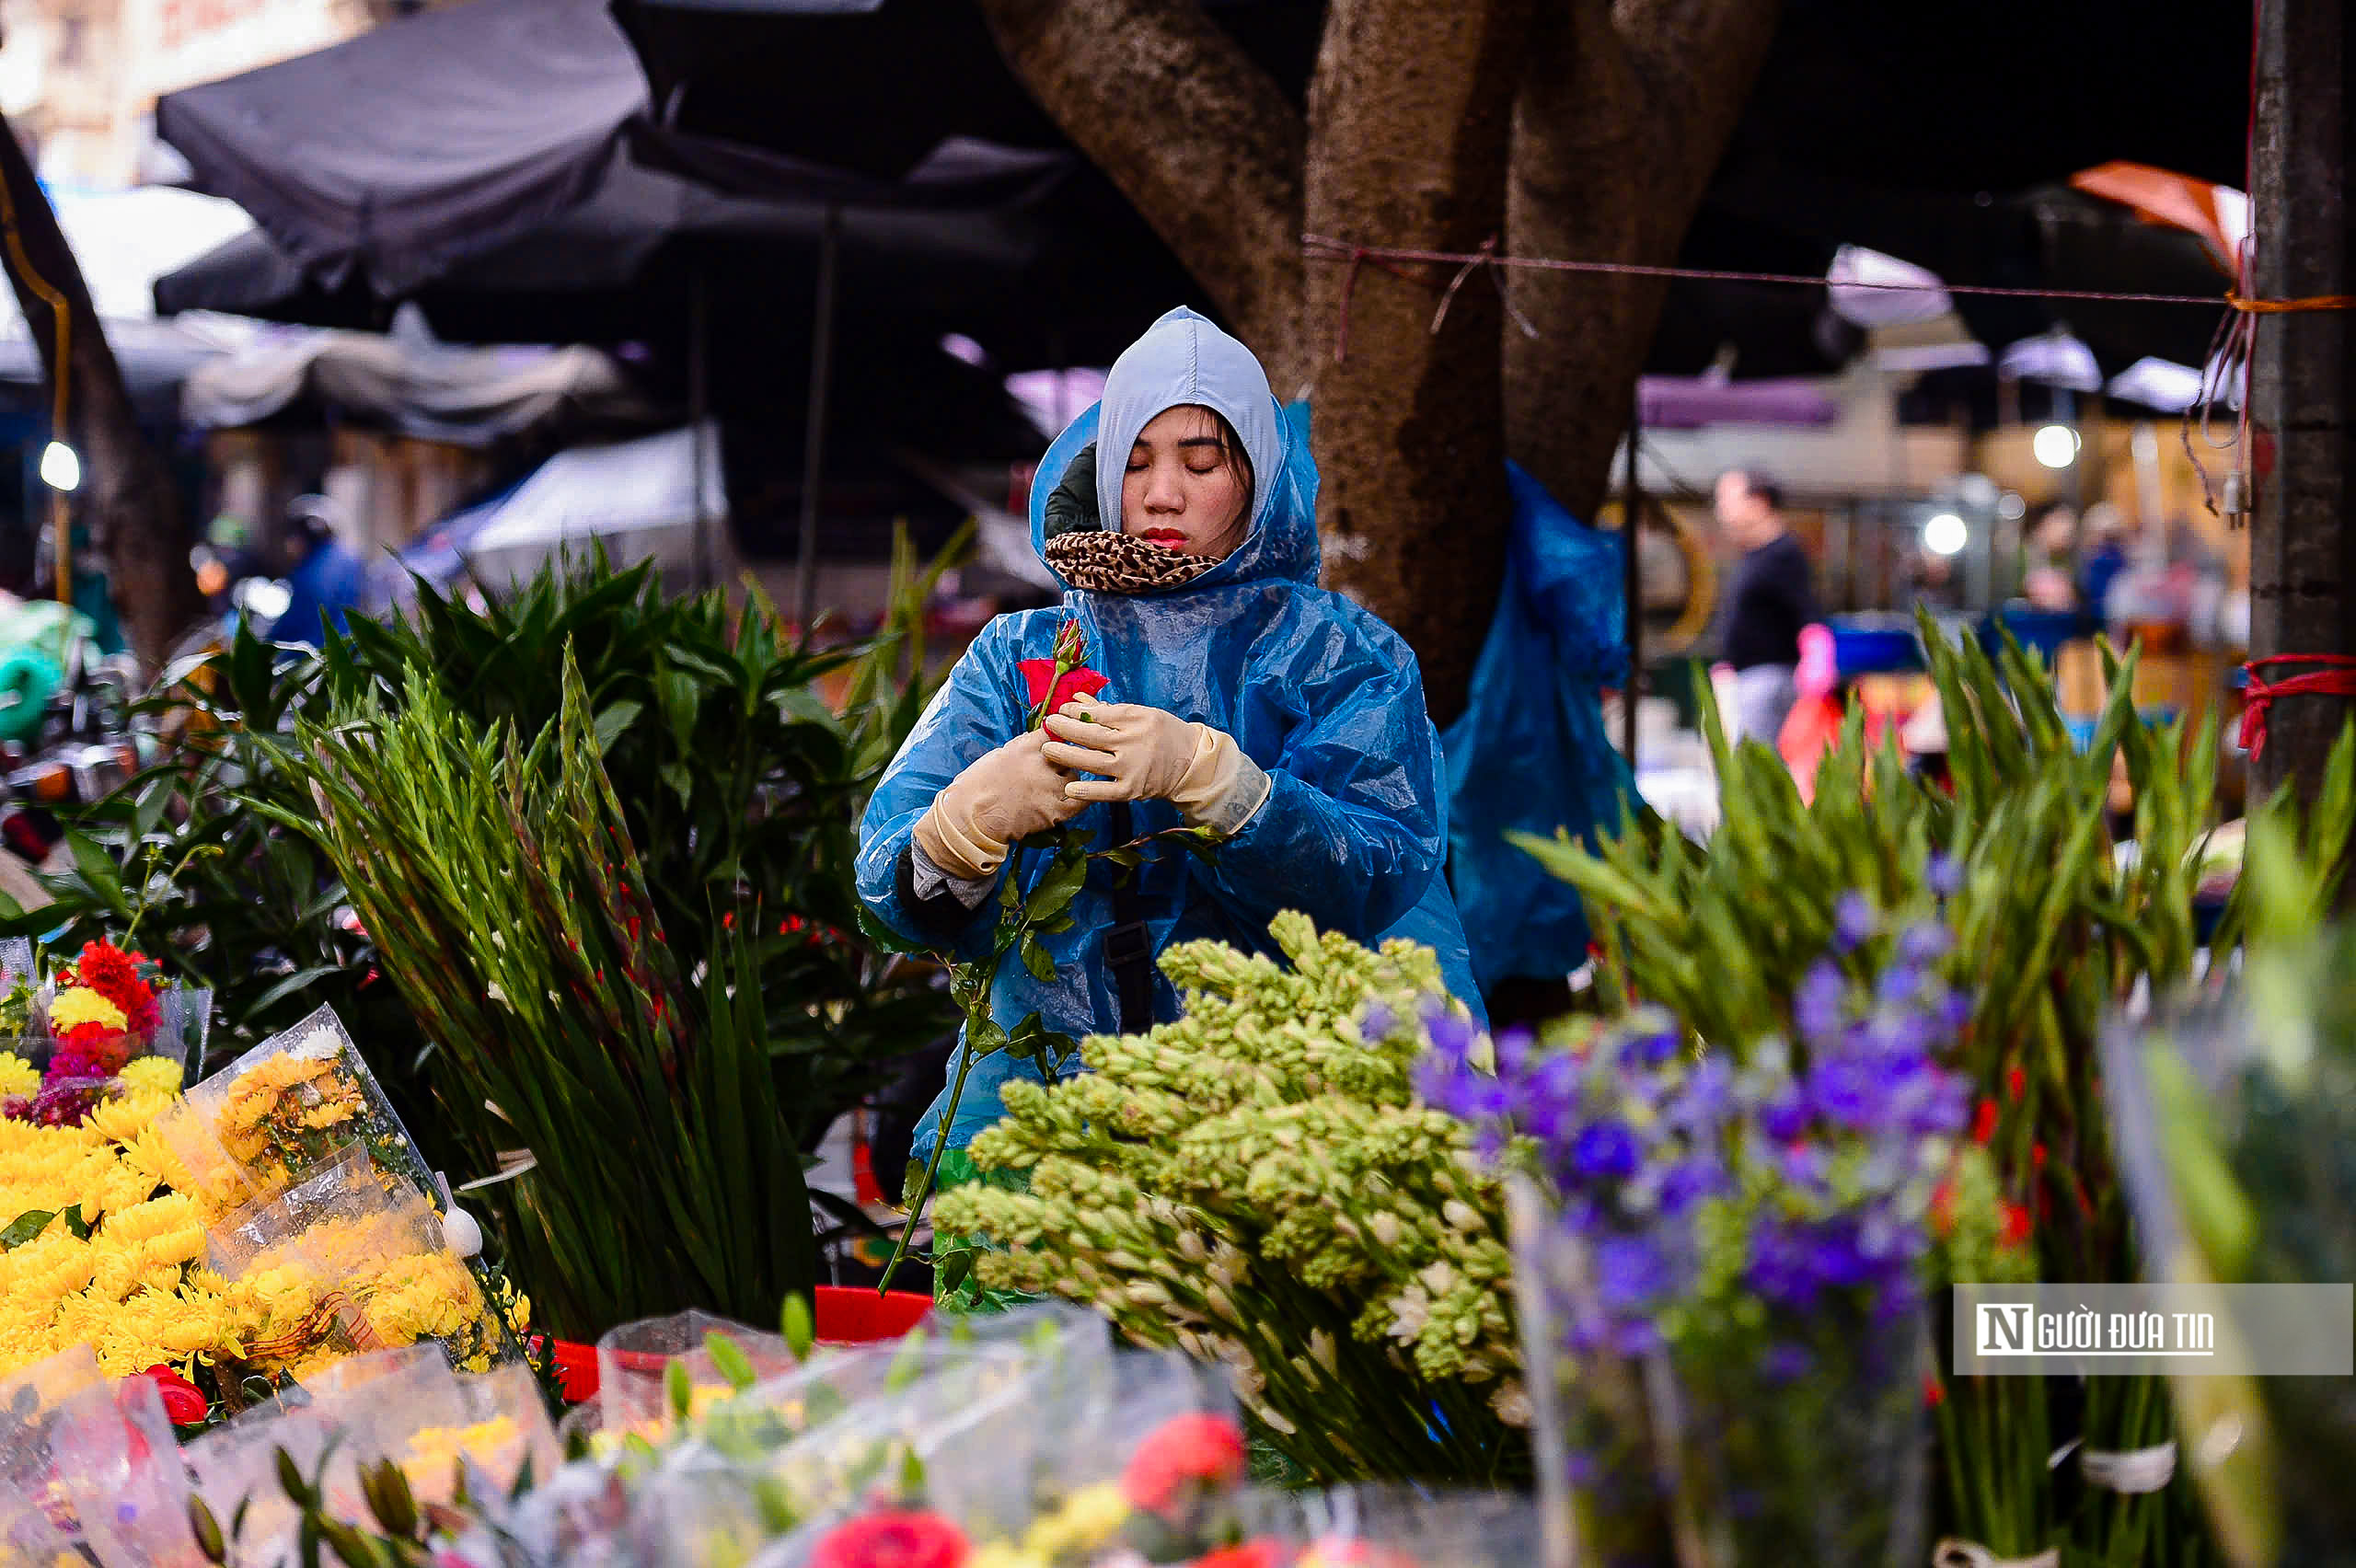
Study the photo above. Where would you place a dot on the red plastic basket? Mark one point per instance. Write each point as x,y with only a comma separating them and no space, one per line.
845,1315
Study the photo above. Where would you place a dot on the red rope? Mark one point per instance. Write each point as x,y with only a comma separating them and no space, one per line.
2337,679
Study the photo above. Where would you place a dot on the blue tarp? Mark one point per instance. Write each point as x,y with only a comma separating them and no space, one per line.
1528,753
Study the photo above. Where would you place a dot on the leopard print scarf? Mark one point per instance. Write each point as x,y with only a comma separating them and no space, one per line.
1117,563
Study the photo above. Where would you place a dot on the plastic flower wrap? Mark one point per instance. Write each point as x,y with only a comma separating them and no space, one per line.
237,1476
1723,1270
33,1402
116,1458
1143,1466
28,1538
2235,1114
406,1408
353,1260
634,1361
1258,1184
296,1101
705,1506
1380,1527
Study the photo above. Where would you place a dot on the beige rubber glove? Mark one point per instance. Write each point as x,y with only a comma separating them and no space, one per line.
1145,754
1004,795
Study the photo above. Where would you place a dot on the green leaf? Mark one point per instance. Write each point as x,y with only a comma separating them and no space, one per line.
677,1391
290,1479
75,1223
682,783
612,719
730,1361
97,871
1035,960
299,980
24,1227
952,1269
800,1330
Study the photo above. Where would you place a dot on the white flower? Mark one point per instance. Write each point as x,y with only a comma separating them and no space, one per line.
1385,1227
1410,1310
1511,1401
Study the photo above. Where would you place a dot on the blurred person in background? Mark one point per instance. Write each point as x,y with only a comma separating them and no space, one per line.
1931,582
2048,565
2107,538
325,581
1772,596
226,558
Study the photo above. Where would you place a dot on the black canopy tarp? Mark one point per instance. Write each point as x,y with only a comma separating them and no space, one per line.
875,84
424,140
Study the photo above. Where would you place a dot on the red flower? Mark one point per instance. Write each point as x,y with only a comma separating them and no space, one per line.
2016,1081
2016,1225
1251,1554
2036,1155
1079,682
184,1402
893,1539
1196,1448
1935,1393
1984,1122
114,975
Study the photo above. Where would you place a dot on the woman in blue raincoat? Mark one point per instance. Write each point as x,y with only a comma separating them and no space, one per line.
1180,513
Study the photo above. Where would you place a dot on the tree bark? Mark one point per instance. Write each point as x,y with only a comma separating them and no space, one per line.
1196,136
1621,120
127,498
1410,116
1560,126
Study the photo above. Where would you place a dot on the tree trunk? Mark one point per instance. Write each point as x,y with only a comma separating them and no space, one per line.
1620,125
1194,133
1410,118
127,498
1565,130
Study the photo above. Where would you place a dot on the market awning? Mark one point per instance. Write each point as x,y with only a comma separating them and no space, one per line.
427,139
471,396
637,499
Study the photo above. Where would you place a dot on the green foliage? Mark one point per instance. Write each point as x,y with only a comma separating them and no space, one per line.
2055,926
735,777
738,776
516,917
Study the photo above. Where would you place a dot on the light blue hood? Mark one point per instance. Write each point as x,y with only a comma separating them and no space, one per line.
1184,359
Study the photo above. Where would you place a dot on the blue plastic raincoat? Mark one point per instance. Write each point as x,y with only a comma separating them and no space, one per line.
1318,692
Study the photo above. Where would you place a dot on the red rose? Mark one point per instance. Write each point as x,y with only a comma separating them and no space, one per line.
893,1539
1198,1448
184,1402
1077,682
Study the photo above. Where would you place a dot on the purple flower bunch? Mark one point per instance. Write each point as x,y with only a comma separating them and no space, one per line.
1804,1174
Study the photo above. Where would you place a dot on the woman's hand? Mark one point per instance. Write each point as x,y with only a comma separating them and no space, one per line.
1002,796
1140,753
1146,753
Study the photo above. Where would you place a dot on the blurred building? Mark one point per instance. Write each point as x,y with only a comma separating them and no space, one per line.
79,78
